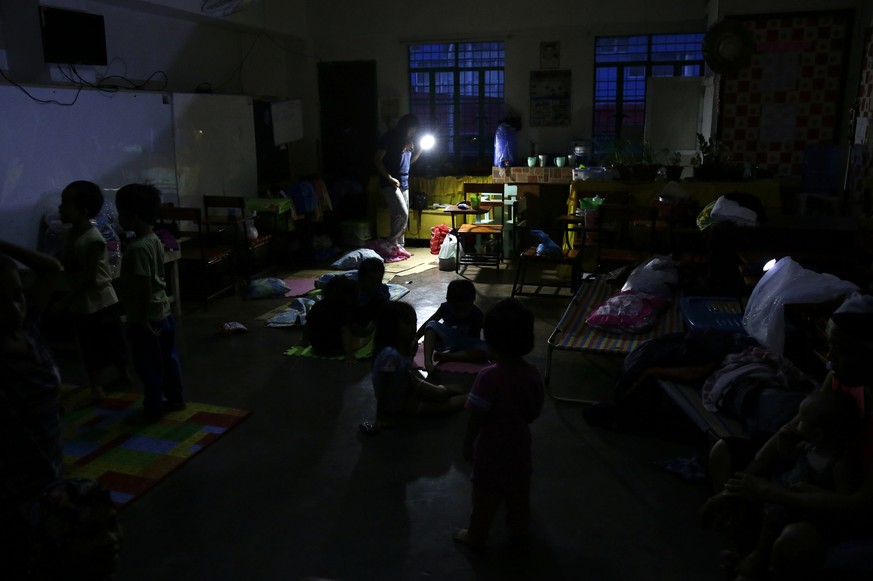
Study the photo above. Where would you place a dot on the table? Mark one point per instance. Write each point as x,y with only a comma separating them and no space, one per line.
483,228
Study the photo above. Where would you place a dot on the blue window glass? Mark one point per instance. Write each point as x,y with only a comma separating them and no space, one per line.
457,91
621,66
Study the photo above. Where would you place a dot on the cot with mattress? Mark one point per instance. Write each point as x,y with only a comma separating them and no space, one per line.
572,333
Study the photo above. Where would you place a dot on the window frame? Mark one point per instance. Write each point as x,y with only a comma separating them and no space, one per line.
616,53
457,144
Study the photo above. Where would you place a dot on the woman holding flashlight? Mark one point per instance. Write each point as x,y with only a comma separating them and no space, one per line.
395,152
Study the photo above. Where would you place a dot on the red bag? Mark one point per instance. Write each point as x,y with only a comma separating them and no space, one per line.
437,235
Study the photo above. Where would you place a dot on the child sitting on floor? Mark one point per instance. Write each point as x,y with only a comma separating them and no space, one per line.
452,333
401,390
506,397
329,322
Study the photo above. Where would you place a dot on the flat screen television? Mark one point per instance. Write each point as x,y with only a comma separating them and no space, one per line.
70,36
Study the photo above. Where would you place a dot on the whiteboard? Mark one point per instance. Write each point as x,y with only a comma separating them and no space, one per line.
673,113
215,147
110,139
287,121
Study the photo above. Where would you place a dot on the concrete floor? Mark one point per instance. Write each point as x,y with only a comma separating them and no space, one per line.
296,491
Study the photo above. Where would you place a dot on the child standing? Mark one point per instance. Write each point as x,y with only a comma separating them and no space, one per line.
150,325
30,446
506,397
453,332
91,300
401,390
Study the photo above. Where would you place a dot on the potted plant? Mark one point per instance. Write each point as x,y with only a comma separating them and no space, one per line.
712,161
633,161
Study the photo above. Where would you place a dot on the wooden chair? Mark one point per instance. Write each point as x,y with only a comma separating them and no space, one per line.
228,214
487,230
535,212
212,265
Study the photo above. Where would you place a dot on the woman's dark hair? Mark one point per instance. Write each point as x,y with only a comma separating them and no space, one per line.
387,319
340,289
509,329
461,289
141,200
406,122
87,196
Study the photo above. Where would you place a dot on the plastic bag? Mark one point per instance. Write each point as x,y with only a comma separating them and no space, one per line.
267,287
787,283
448,252
656,276
504,145
437,235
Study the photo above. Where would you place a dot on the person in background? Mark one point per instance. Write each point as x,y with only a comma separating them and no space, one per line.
91,300
30,445
845,543
453,332
400,390
395,153
506,397
150,325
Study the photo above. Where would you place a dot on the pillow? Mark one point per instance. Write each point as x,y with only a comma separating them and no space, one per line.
267,287
353,259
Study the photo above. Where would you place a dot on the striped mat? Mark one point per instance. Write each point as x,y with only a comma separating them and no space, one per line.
573,334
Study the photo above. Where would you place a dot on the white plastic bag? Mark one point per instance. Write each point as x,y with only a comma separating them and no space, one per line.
787,283
656,276
448,252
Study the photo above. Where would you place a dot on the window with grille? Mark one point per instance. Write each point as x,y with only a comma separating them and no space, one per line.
456,90
621,66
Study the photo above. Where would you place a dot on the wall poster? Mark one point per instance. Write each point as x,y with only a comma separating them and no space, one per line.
549,98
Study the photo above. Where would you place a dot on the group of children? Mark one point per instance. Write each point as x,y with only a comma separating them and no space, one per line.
797,491
30,445
506,396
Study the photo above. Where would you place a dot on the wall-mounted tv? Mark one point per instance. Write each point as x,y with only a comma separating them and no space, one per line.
70,36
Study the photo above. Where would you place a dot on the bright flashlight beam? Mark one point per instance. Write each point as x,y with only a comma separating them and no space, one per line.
427,142
770,264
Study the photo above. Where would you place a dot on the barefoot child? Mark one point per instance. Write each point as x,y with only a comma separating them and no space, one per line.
91,299
506,397
401,390
452,333
150,325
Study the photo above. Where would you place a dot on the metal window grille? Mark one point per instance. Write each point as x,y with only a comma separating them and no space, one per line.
621,66
457,91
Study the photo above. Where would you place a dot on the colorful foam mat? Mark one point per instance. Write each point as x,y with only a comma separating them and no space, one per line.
111,442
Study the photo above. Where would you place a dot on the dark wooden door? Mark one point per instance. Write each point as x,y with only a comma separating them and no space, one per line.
349,119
